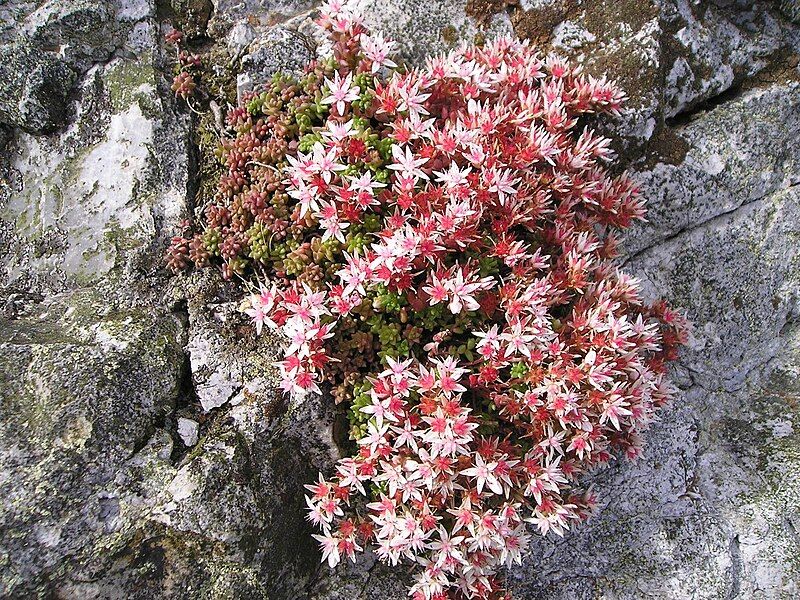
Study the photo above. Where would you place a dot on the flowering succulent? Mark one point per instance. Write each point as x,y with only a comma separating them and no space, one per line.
183,84
437,245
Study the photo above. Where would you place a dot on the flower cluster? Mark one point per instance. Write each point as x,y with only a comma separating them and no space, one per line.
437,244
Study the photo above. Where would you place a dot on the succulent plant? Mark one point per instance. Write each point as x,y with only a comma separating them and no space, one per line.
439,248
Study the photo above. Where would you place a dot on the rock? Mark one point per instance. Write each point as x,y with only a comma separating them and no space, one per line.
669,57
224,355
11,15
279,50
55,43
144,451
240,37
92,362
719,168
570,36
190,16
420,30
216,377
244,85
84,385
256,12
80,33
35,89
791,9
104,168
239,488
188,430
425,29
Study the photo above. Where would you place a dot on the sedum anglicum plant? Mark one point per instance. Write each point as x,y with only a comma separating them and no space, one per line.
437,246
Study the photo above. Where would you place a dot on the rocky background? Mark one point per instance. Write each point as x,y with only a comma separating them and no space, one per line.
143,453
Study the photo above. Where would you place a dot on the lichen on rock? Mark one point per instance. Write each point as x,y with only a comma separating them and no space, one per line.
106,498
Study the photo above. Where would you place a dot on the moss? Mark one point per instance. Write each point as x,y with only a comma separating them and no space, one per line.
234,582
782,68
207,140
218,77
23,332
765,438
190,16
70,168
449,35
483,10
537,25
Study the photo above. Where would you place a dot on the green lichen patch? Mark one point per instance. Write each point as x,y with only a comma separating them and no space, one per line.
130,81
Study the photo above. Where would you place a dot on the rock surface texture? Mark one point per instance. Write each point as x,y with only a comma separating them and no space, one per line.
143,451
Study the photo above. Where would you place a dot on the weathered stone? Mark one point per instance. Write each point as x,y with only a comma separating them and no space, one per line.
707,511
54,44
240,37
83,384
11,15
81,32
225,357
238,487
790,8
721,168
35,88
668,56
91,361
188,430
104,169
279,50
144,451
425,29
256,12
190,16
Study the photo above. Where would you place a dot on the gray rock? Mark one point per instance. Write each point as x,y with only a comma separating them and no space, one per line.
790,8
720,154
11,15
52,47
90,200
92,362
279,50
240,37
144,452
188,430
84,385
239,488
244,85
226,358
669,57
190,16
35,88
81,32
425,29
257,12
707,512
